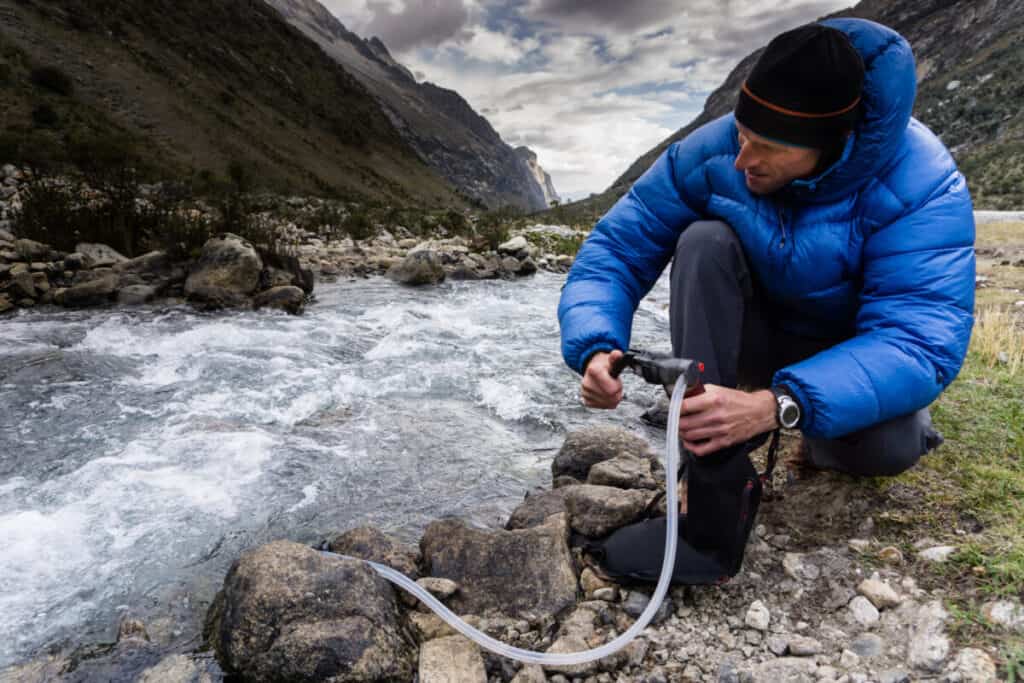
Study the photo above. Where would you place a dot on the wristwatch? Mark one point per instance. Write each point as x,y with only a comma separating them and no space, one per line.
788,412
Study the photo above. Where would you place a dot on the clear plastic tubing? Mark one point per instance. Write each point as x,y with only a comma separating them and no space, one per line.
570,658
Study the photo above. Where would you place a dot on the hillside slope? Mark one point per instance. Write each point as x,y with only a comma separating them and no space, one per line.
196,85
970,54
438,123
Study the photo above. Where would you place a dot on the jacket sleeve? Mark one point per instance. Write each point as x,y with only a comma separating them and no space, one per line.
913,325
629,248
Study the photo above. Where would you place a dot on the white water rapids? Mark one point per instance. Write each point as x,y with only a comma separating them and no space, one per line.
141,450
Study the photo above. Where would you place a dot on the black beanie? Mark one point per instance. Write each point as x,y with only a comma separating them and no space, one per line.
805,89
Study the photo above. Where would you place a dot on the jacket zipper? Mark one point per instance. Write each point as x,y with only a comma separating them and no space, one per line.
782,224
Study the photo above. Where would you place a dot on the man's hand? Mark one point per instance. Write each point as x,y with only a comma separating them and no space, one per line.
600,389
722,417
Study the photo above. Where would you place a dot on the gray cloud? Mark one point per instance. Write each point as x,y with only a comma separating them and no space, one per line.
420,23
604,14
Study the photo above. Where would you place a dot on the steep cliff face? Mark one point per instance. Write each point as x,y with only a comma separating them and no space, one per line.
540,175
438,123
195,85
970,54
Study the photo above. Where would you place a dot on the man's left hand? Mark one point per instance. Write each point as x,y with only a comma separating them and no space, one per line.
722,417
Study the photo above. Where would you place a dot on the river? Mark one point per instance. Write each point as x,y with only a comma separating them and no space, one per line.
141,450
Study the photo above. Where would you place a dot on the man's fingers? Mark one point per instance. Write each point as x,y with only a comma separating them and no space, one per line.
698,404
703,447
700,435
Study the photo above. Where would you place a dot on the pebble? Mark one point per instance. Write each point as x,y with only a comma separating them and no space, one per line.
891,555
777,645
868,645
848,659
928,646
974,666
894,676
606,594
802,646
758,616
863,612
796,567
938,554
859,545
1004,613
879,593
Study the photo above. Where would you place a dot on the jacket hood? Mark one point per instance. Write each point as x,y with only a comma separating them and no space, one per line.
890,86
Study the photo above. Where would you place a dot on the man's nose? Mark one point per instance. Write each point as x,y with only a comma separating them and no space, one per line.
745,159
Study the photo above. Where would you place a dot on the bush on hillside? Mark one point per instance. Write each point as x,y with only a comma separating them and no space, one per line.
53,79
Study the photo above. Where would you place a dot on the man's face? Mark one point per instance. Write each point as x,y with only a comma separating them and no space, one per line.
769,166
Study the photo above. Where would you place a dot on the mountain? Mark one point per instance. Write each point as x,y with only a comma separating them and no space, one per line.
970,54
540,175
194,85
438,123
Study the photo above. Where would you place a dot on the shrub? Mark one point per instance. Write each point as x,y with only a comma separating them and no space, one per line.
359,226
53,79
493,233
45,116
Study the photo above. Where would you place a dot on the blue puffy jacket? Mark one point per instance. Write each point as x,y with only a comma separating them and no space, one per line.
879,248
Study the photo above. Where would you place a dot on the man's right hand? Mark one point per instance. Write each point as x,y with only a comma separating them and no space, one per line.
600,389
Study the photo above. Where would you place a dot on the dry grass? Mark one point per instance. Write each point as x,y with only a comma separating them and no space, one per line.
998,338
1000,233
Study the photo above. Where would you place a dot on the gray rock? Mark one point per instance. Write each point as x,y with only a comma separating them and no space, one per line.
289,298
727,672
583,449
514,246
153,264
531,673
627,472
804,646
537,507
93,293
938,554
863,612
577,633
30,250
798,567
777,645
758,617
288,612
879,593
637,602
849,659
894,676
369,543
76,261
227,272
1004,613
928,646
789,669
454,659
526,573
41,282
598,510
6,236
99,255
867,645
22,286
136,294
5,304
418,268
974,666
442,589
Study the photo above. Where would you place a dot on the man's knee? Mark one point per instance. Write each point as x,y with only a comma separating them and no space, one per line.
706,238
884,450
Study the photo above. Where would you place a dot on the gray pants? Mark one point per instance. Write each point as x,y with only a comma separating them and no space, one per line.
717,318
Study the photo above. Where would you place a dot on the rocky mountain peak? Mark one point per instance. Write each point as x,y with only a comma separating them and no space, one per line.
529,157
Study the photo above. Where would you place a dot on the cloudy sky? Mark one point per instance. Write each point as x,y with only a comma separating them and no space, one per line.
589,85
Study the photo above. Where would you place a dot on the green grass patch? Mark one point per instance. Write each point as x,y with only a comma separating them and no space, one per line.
978,474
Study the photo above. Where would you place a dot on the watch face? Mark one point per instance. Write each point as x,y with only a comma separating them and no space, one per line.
790,414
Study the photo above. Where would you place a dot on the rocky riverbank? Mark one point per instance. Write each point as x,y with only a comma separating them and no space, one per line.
847,612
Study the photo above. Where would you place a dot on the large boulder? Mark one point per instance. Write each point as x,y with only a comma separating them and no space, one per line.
287,298
583,449
284,269
369,543
290,613
625,472
30,250
526,573
99,255
537,507
5,304
92,293
595,511
227,272
418,268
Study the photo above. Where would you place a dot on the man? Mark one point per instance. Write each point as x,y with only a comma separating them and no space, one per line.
822,252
